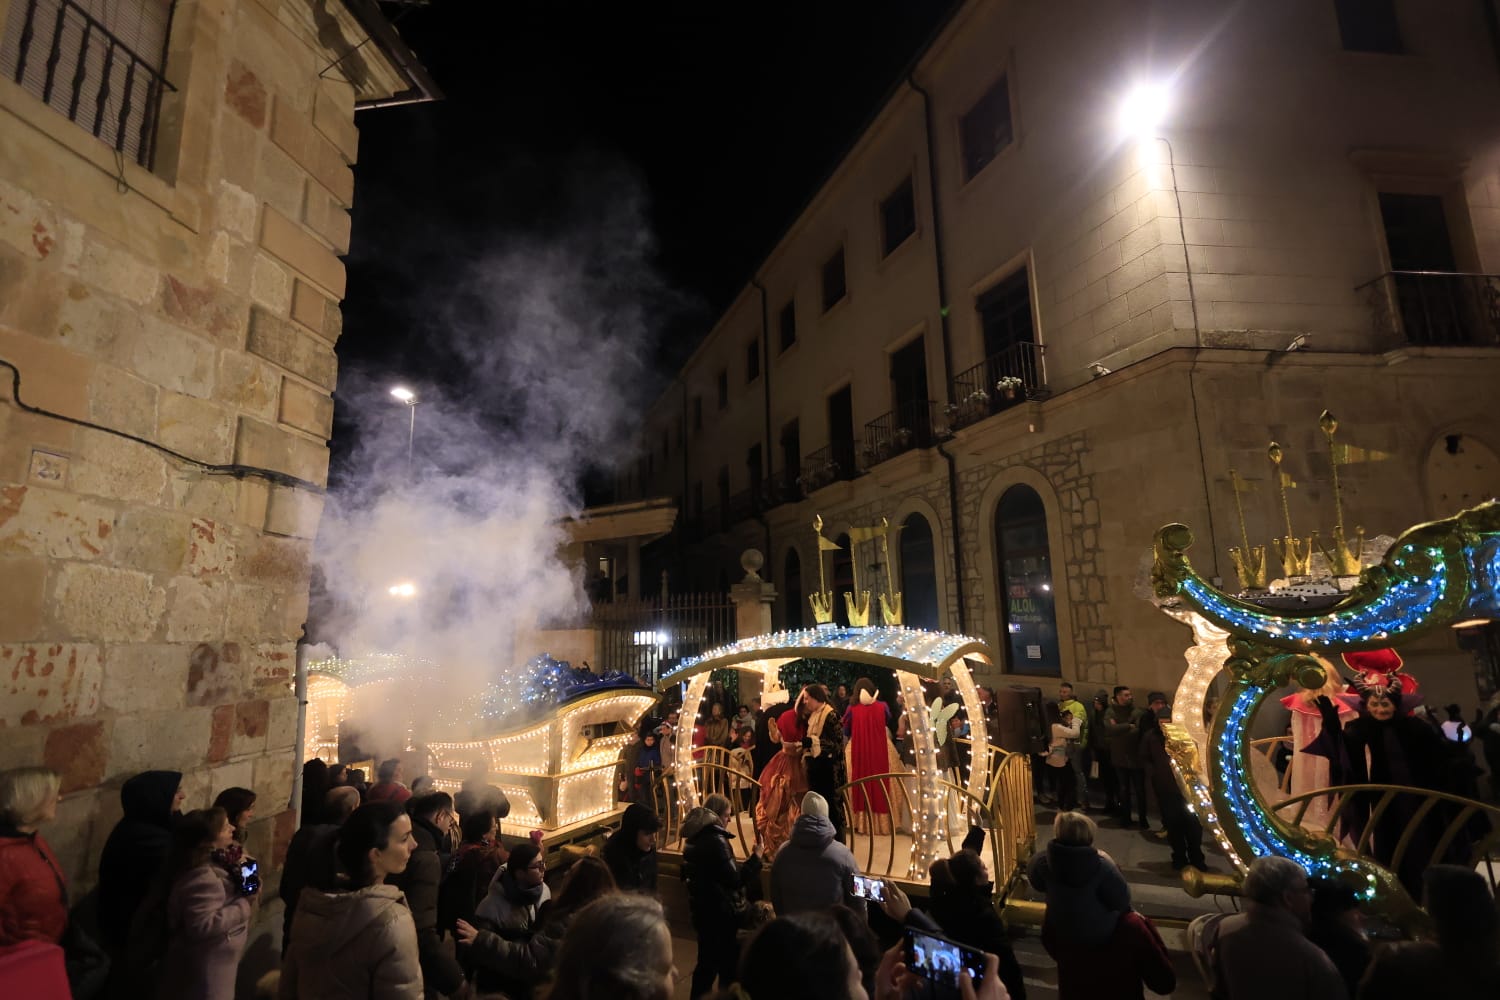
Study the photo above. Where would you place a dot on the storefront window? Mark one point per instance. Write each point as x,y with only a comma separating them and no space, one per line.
1027,605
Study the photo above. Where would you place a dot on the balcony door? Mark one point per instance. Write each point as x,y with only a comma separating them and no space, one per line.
1436,305
841,430
909,391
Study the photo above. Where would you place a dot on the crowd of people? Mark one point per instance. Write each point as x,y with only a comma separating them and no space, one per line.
397,890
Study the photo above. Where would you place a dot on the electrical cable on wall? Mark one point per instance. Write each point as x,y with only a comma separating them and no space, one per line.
235,470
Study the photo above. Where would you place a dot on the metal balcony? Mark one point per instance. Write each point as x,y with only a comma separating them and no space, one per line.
832,464
996,383
1436,308
909,426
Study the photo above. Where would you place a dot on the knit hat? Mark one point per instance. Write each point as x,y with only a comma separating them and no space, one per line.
814,804
1155,696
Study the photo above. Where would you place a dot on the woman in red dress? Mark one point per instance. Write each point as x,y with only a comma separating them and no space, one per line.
871,752
782,783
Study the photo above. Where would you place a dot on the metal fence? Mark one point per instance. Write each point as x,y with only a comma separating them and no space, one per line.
645,638
908,426
1436,308
102,68
999,381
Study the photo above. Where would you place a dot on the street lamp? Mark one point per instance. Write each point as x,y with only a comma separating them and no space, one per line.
408,397
402,590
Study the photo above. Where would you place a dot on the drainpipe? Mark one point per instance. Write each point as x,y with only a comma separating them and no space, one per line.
942,291
765,378
300,689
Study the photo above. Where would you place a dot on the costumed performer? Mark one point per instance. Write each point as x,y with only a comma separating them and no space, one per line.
783,782
1387,746
870,752
1310,769
823,752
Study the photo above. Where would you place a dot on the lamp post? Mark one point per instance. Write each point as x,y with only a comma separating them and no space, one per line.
409,398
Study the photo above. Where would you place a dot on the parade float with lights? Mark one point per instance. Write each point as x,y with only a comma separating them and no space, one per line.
1288,632
550,735
940,804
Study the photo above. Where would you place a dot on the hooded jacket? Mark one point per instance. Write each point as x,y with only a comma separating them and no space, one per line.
715,882
359,945
634,870
813,871
33,900
135,851
1085,891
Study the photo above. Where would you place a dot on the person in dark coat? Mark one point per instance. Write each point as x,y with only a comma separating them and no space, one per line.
431,816
716,886
135,851
1086,894
310,855
315,785
1121,724
1338,929
1184,832
823,753
964,906
812,870
630,852
476,860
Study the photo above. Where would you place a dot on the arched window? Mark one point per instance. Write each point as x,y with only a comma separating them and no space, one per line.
1027,605
918,573
791,589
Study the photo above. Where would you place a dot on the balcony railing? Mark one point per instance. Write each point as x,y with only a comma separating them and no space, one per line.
910,425
829,465
782,487
999,381
1436,308
80,68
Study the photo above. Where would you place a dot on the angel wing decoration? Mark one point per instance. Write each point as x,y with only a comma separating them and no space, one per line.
940,716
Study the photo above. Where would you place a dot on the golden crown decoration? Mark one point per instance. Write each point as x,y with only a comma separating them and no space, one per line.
857,601
1342,560
1295,554
822,599
1249,561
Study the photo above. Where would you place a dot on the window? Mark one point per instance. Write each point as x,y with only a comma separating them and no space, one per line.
1368,25
986,129
98,62
834,288
918,573
723,384
1005,315
752,360
697,413
788,324
1027,606
898,217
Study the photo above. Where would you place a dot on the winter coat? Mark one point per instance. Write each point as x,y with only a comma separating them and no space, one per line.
1159,766
1264,953
1085,891
208,926
634,870
1122,733
715,881
510,909
519,965
970,919
469,875
813,871
420,882
33,895
359,945
309,862
1132,956
135,851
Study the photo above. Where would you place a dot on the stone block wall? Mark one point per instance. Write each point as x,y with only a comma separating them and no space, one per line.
149,609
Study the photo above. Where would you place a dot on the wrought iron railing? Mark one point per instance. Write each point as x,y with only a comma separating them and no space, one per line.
828,465
637,637
999,381
781,488
910,425
81,68
1436,308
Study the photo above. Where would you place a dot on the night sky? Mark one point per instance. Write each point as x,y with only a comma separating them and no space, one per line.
730,114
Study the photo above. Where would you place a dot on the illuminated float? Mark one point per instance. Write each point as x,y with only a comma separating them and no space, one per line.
1434,576
551,737
940,805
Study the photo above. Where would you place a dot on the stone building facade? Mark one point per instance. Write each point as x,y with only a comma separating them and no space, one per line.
175,316
1168,299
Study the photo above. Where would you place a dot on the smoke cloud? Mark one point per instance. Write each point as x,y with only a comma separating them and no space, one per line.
547,338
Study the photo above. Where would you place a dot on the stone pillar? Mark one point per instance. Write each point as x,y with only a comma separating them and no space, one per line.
752,598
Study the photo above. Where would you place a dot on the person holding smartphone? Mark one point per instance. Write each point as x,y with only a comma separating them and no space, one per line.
213,890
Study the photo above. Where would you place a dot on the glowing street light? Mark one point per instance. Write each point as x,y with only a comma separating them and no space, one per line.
1143,110
409,398
403,590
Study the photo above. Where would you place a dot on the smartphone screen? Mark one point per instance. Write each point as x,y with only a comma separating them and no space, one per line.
249,876
869,888
938,961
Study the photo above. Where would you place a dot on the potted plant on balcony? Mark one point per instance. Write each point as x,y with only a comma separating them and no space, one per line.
1009,386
